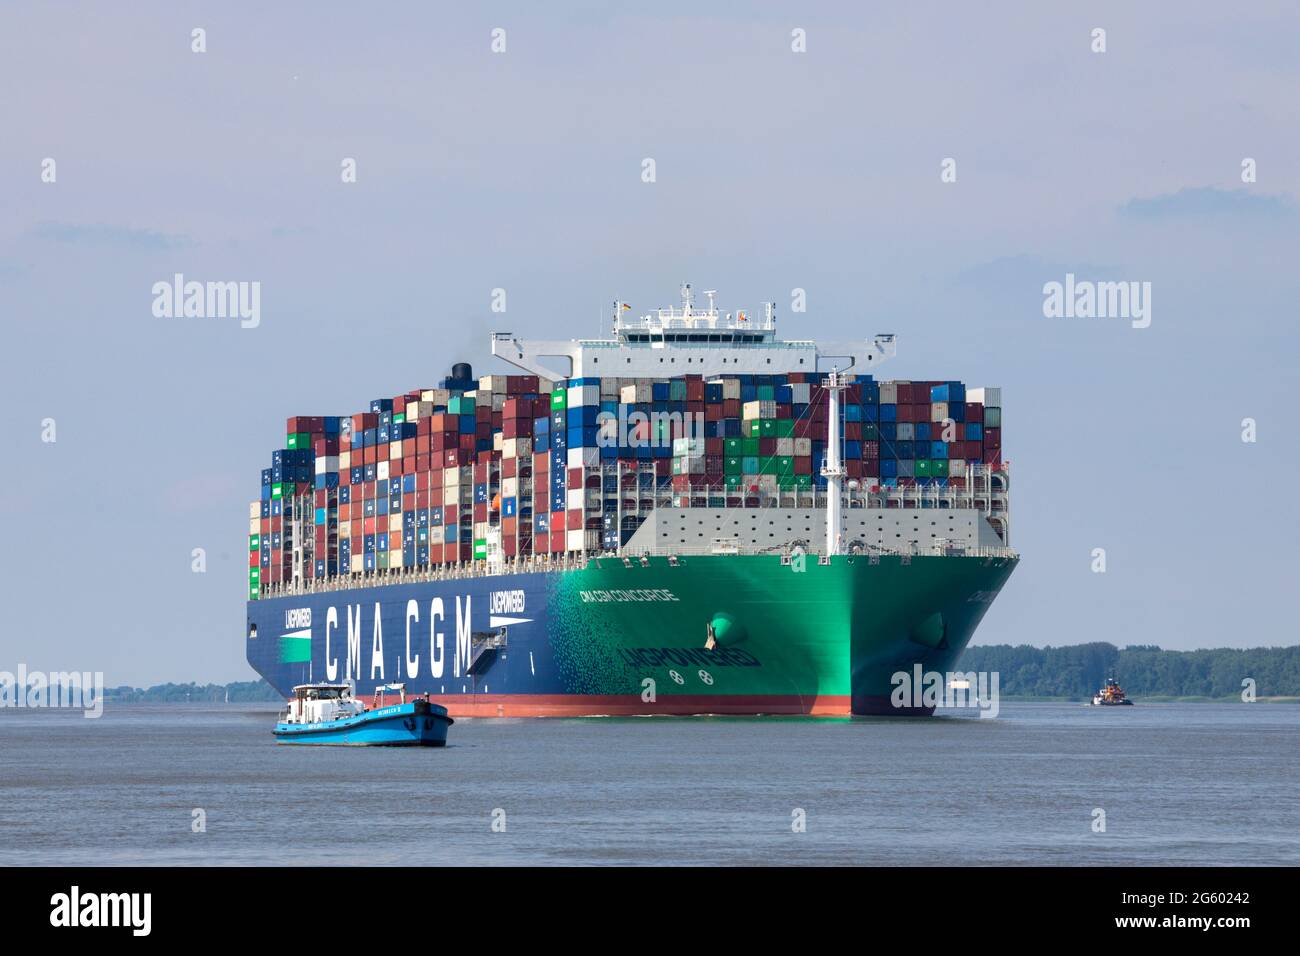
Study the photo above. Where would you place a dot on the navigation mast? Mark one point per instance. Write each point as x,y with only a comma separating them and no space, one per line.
833,469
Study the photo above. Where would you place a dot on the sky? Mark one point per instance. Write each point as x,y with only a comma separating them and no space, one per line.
522,170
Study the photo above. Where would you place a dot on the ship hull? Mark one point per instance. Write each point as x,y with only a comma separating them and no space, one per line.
618,638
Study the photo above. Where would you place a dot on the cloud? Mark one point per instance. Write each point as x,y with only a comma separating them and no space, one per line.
147,240
1205,202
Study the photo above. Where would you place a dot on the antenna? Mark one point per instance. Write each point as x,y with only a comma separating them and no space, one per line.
687,297
711,293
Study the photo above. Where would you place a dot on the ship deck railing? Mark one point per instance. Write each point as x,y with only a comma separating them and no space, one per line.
579,560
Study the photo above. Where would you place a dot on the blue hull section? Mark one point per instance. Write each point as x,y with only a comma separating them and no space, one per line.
417,724
419,633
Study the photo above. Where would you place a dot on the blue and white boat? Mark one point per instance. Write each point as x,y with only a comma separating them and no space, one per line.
331,714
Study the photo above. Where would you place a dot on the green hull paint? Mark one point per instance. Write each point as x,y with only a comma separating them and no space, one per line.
825,639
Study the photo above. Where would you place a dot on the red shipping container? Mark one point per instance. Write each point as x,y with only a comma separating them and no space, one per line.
557,521
870,468
575,518
992,438
575,478
993,456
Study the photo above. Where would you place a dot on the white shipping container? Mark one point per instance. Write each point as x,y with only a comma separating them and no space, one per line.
492,383
688,446
509,487
938,411
450,494
801,393
785,446
609,389
358,563
395,522
345,460
255,510
888,393
637,393
576,540
326,464
580,395
498,442
803,447
584,457
394,559
985,396
575,498
254,526
381,471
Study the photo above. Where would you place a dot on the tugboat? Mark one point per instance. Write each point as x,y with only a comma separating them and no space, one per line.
331,714
1112,695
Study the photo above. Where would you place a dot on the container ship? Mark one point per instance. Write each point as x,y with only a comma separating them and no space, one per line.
688,516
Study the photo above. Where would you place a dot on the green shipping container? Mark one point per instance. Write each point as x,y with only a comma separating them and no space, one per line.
748,446
924,468
732,465
480,549
766,393
870,431
734,481
560,398
751,427
767,427
399,418
784,428
464,405
254,575
784,465
803,481
733,446
277,491
254,542
298,440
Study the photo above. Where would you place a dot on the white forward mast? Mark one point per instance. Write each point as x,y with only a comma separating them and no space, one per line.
833,469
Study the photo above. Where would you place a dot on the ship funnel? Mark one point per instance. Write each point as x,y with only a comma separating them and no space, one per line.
462,372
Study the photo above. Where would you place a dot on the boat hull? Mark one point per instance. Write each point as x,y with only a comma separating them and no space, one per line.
415,724
630,639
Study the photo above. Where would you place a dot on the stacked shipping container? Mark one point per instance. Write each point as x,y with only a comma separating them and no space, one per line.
430,477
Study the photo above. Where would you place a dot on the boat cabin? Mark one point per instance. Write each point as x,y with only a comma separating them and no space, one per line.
313,703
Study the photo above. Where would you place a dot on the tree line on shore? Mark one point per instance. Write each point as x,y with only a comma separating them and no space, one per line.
1077,671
